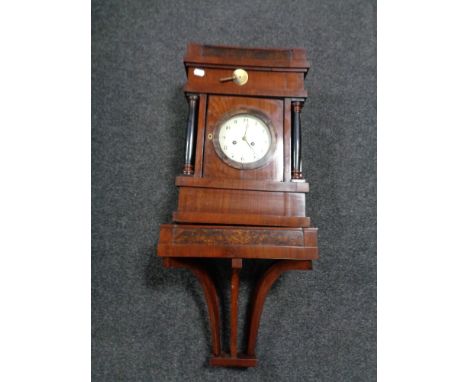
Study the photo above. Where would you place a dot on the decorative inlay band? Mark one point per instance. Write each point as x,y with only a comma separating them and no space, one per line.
238,237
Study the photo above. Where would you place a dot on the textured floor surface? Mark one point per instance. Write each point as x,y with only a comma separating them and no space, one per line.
149,323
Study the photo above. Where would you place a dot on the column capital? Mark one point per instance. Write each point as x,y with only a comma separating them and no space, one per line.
297,104
192,96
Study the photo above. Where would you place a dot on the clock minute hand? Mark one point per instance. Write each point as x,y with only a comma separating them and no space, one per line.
244,138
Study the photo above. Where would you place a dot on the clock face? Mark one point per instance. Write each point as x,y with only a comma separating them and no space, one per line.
244,141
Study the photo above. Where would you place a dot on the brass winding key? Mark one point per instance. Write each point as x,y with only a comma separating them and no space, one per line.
239,77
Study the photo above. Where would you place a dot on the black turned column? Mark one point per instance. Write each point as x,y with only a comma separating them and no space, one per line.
296,171
190,134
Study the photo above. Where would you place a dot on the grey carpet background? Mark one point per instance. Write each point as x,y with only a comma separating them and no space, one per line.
149,323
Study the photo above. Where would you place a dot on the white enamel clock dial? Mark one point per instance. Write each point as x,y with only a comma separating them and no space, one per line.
245,140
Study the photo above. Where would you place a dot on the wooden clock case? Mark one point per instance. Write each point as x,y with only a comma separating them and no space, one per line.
241,213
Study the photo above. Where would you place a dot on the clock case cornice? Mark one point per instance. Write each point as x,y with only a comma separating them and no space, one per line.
293,59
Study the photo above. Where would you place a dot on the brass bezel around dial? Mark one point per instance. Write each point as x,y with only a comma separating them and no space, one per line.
239,165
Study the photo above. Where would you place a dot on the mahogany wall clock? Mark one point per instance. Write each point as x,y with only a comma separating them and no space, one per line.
241,189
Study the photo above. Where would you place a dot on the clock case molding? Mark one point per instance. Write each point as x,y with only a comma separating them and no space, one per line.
238,214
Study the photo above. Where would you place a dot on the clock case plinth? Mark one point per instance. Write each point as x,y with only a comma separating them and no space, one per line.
239,214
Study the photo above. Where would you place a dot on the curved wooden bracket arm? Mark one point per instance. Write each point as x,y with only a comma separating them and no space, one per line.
211,297
258,300
261,292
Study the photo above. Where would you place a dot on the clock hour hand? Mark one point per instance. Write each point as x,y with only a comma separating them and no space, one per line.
246,141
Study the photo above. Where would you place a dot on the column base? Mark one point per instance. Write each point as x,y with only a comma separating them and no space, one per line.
225,360
188,169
